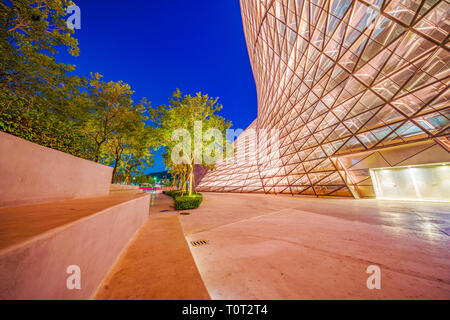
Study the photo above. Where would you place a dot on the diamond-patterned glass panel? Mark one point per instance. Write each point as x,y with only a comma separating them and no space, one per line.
338,77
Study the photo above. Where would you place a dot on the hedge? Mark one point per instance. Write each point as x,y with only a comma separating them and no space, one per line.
185,202
45,129
172,193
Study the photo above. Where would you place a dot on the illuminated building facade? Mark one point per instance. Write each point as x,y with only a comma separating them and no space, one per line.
359,93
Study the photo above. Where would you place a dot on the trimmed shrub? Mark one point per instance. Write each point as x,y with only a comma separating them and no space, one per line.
184,202
188,202
172,193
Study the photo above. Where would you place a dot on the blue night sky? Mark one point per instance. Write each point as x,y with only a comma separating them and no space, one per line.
158,46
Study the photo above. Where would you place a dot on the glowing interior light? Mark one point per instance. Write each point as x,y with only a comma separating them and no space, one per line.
429,182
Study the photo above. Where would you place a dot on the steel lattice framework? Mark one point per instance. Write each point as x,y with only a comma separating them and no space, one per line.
338,77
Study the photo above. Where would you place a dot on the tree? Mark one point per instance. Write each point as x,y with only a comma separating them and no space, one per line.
151,180
113,113
42,102
134,163
39,99
31,31
129,152
196,118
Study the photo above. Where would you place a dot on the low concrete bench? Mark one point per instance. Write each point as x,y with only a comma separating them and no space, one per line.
39,242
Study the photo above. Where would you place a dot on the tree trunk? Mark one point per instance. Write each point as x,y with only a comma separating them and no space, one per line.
115,170
191,180
184,182
175,183
97,155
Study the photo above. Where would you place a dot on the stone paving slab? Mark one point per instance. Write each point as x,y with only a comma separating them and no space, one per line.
279,247
157,265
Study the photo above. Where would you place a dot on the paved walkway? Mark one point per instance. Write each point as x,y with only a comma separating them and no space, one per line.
284,247
157,264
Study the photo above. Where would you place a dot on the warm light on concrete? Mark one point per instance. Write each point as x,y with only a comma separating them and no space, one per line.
282,247
31,173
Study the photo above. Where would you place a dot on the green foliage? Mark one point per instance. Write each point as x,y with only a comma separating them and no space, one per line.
145,180
31,31
182,113
44,128
172,193
185,202
117,127
41,101
188,202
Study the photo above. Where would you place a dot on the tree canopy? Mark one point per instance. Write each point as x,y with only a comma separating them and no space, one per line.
195,120
31,32
41,100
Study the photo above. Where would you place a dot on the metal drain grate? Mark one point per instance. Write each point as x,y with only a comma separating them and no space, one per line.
199,243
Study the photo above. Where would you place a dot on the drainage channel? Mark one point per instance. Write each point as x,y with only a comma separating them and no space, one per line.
199,243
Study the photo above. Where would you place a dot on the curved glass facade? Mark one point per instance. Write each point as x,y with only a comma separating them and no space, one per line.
335,78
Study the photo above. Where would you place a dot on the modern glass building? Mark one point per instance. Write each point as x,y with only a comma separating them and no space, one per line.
358,94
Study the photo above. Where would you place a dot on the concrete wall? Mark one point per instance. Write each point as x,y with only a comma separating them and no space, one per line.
30,173
123,187
37,268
